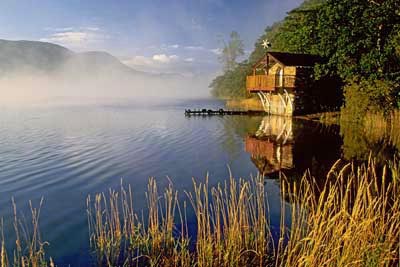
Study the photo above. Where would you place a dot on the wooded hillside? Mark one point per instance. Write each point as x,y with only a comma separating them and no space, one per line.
360,40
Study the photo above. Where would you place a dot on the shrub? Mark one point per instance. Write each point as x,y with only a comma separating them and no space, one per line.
362,96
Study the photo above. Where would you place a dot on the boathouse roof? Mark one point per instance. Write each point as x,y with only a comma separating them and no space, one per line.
290,59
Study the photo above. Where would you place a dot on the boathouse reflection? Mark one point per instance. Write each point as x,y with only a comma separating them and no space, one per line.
271,147
286,145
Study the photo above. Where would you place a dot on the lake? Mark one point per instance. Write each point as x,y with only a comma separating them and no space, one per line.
64,153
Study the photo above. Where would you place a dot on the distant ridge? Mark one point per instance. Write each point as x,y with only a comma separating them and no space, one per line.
32,70
40,56
43,57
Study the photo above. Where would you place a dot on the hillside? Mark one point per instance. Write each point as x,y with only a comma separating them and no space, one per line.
48,58
39,56
360,42
99,62
37,71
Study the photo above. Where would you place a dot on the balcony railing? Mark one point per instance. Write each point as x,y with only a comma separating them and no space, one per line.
269,82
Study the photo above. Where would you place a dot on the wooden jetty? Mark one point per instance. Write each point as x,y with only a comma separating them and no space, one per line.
221,112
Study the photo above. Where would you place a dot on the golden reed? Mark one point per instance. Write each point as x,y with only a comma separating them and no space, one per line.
352,220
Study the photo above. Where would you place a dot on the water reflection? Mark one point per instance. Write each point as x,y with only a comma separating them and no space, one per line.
64,154
362,140
283,144
293,146
271,147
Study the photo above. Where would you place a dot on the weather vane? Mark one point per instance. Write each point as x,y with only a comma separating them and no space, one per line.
266,44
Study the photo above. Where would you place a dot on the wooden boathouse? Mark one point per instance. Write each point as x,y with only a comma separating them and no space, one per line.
283,82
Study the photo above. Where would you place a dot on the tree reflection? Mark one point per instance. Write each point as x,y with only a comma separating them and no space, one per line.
293,146
375,136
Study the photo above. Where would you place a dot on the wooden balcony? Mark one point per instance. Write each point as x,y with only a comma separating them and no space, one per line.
256,83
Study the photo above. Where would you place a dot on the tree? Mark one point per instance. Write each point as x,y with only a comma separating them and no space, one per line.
359,40
356,37
232,84
298,32
231,51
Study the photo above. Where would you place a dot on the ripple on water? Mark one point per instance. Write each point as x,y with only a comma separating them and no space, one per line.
66,154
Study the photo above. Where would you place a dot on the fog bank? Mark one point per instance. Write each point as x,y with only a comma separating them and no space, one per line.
40,73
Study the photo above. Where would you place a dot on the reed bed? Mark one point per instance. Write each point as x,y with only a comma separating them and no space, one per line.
121,237
29,249
245,104
232,224
354,220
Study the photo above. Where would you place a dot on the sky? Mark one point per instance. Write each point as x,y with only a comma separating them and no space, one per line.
160,36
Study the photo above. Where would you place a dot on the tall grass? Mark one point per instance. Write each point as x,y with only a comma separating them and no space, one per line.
232,227
121,237
354,220
29,249
245,104
232,224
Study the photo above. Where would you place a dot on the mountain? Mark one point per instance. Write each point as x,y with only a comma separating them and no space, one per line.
21,55
42,57
100,62
32,70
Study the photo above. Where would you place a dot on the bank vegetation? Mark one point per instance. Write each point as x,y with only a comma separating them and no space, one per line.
352,220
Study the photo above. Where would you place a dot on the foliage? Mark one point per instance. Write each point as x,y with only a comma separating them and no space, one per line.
283,35
364,96
231,51
298,32
360,40
232,83
356,37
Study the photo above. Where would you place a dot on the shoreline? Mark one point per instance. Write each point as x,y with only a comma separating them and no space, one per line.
254,104
246,104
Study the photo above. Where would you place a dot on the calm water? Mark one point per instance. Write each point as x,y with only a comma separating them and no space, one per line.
66,153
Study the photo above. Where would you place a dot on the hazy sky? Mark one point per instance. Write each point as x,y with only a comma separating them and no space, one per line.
152,35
